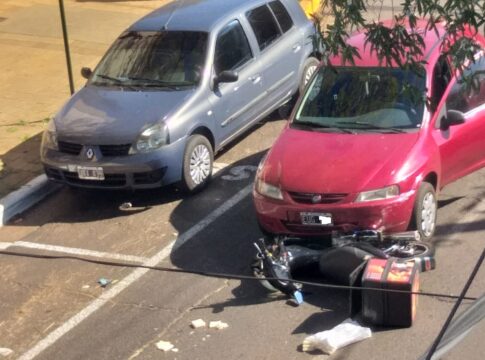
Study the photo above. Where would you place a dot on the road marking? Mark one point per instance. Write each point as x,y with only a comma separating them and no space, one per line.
78,251
134,276
4,245
218,167
240,172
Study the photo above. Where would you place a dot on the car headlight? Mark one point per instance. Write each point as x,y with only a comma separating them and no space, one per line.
152,138
379,194
49,138
268,190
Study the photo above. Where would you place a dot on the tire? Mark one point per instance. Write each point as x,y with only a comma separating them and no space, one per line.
309,68
198,162
425,211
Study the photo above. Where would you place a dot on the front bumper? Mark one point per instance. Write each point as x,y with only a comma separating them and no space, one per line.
283,217
137,171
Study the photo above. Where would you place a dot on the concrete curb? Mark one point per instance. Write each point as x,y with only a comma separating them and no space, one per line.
25,197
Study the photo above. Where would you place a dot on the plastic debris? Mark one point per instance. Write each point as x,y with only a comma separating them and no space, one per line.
298,296
346,333
219,325
198,323
103,282
165,346
175,350
126,206
5,351
85,287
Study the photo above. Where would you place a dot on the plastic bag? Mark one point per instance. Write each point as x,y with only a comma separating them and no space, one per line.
346,333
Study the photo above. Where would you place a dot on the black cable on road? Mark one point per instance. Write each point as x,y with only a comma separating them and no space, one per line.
222,275
437,341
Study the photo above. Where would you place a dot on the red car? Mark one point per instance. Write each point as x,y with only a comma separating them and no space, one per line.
363,150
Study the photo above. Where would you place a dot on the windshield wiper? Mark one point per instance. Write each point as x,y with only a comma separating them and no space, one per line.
369,126
316,126
116,80
165,84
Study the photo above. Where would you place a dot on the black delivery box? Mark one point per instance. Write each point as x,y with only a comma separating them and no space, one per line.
389,308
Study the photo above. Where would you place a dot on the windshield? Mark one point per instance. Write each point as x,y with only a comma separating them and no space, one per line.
367,99
169,59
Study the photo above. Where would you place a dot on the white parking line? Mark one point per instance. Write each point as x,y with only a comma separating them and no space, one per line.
217,167
78,251
4,245
134,276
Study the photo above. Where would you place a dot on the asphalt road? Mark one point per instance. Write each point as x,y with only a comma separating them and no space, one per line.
54,309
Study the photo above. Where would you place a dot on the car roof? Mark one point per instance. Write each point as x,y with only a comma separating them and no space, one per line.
191,15
430,37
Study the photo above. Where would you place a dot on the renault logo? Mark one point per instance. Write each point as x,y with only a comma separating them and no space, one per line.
89,153
316,198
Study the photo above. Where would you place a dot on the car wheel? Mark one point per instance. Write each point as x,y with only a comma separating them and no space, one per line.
425,211
309,68
198,160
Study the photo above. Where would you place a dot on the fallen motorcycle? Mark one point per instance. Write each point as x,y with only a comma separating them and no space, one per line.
279,257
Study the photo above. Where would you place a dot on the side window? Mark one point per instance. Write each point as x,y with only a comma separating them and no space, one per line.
441,79
282,15
232,48
264,25
467,95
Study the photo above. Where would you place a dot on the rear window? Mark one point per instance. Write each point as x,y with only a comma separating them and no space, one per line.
264,26
282,15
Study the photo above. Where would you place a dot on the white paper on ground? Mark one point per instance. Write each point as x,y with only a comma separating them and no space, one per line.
346,333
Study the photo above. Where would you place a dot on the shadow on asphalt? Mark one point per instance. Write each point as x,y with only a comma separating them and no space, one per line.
20,165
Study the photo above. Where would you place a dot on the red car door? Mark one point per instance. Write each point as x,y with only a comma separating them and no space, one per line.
462,147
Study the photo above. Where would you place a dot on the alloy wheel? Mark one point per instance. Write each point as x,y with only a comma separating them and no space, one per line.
200,164
428,214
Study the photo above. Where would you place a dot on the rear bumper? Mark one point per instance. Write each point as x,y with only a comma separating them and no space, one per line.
283,217
138,171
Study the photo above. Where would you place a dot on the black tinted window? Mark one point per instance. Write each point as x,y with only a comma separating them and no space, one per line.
470,93
281,15
232,48
264,25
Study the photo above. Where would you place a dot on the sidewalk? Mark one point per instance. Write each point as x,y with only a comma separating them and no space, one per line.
34,82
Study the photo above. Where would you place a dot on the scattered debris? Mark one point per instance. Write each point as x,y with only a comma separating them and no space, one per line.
165,346
341,335
126,206
198,323
5,352
104,282
219,325
175,350
85,287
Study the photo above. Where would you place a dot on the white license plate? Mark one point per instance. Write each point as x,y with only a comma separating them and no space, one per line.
90,173
314,218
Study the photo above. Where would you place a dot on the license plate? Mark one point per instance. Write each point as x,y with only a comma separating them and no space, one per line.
90,173
312,218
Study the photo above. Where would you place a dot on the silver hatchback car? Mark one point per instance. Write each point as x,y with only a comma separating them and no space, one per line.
176,87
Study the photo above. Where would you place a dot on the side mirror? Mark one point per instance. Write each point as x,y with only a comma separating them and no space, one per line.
227,76
453,117
86,72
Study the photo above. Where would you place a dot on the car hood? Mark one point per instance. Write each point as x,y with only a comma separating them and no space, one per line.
320,162
102,116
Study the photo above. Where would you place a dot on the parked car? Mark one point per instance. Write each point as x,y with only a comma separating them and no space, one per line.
363,150
176,87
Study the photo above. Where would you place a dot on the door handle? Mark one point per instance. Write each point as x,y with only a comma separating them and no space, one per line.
255,79
296,48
